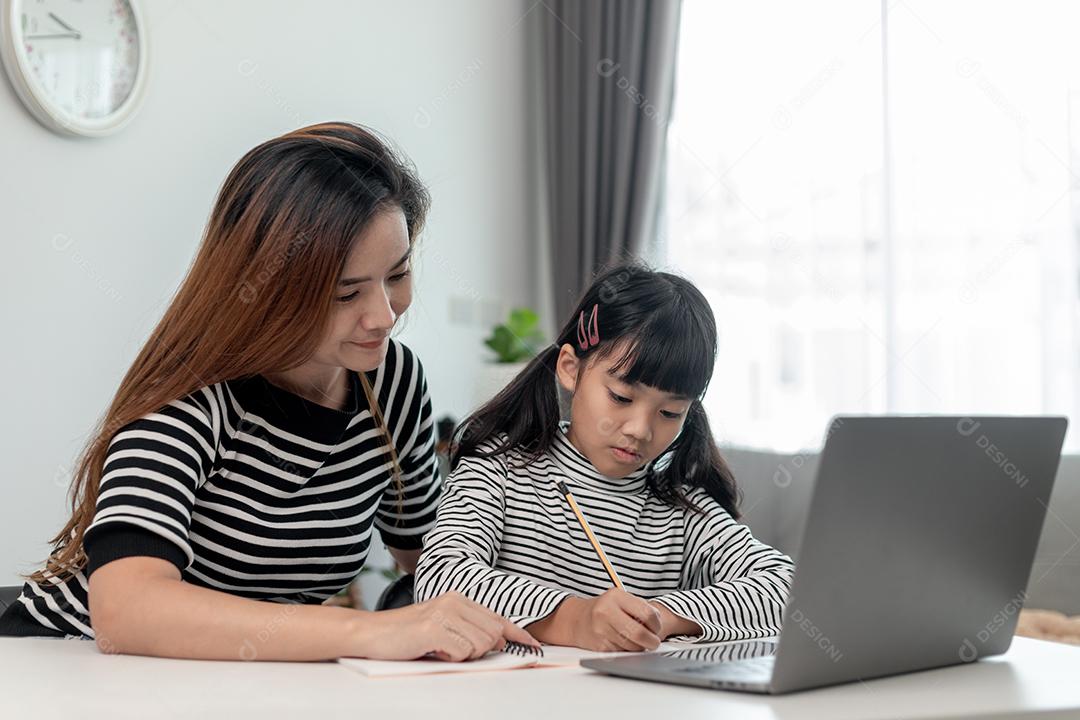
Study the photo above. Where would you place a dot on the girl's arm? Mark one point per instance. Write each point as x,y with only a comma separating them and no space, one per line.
140,606
672,624
460,553
736,587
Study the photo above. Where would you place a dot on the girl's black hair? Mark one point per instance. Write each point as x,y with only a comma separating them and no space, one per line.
666,333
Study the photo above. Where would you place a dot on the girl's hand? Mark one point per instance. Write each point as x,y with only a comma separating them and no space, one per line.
449,627
672,624
613,622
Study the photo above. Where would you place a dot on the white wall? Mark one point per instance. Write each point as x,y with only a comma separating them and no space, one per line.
98,233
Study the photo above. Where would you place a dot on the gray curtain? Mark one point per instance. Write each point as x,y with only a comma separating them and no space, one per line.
609,74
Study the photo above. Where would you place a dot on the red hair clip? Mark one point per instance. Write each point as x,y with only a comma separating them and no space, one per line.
591,337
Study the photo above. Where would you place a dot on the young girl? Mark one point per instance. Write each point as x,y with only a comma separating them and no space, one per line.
641,462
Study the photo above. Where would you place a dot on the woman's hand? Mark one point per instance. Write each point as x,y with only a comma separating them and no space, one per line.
449,627
613,622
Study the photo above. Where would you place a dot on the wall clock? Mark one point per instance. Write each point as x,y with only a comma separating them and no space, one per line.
78,65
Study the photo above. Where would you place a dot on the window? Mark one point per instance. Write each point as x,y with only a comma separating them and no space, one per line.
881,209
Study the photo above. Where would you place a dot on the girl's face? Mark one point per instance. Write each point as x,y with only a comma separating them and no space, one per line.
618,426
374,289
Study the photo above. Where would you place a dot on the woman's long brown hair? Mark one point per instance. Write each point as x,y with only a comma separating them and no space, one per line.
258,295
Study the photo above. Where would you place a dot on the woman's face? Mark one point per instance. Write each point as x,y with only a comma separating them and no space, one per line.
618,426
374,289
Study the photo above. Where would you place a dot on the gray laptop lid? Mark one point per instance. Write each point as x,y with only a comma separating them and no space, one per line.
921,535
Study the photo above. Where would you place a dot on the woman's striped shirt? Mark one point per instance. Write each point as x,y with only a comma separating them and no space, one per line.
506,537
258,492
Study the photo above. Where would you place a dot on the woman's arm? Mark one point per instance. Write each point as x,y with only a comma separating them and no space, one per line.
405,559
140,606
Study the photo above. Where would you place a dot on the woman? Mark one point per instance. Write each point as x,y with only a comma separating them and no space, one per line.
267,425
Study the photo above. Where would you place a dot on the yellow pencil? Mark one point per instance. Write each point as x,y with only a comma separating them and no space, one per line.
592,538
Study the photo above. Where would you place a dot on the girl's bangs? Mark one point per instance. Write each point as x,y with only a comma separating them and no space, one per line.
666,352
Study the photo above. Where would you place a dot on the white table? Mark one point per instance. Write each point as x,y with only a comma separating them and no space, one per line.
70,679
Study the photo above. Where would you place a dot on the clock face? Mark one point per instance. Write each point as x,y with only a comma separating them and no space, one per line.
81,58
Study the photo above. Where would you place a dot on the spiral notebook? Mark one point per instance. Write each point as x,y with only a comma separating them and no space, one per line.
516,656
516,659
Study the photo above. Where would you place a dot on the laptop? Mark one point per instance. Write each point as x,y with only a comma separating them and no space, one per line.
917,551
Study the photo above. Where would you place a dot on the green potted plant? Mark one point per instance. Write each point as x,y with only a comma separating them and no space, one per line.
514,343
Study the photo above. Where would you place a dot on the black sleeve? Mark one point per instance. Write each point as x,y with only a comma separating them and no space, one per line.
118,540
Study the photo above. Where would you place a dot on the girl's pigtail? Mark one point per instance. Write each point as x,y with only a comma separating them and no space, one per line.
695,460
524,415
